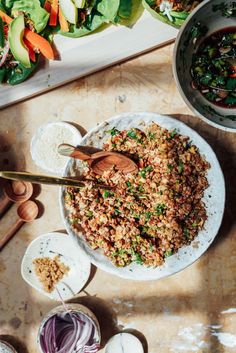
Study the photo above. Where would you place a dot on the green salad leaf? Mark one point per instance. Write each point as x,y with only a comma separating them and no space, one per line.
125,9
129,12
108,9
33,9
103,11
177,21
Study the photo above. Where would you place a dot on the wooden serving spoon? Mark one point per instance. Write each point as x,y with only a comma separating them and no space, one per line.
16,191
27,212
100,161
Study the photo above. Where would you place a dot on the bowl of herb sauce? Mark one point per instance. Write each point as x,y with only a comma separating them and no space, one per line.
205,63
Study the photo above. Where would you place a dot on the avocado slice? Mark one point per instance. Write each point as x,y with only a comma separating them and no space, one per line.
15,37
80,3
69,10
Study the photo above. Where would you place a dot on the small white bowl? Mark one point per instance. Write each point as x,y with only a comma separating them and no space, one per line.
6,347
51,245
124,342
45,160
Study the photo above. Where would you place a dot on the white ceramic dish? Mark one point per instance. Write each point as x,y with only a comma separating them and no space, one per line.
124,342
36,143
49,245
6,347
214,199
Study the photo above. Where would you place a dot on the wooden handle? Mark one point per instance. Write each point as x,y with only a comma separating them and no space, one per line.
70,151
10,233
5,203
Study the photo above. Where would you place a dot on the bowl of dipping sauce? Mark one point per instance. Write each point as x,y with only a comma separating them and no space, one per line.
75,330
205,63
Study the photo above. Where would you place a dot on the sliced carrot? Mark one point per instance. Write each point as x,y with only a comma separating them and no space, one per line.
5,17
47,6
39,43
63,22
54,13
5,29
30,50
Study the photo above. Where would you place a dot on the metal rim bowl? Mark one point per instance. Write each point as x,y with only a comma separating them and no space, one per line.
211,15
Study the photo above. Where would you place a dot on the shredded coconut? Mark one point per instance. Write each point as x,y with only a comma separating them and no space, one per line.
45,145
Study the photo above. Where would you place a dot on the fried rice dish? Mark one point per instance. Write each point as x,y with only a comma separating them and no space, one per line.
146,216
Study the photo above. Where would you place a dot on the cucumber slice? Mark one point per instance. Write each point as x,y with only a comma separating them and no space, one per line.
80,4
69,10
181,14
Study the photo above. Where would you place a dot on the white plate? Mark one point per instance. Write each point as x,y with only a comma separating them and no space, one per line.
214,199
49,245
82,56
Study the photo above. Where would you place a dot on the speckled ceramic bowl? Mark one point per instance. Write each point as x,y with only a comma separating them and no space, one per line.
72,308
214,199
215,15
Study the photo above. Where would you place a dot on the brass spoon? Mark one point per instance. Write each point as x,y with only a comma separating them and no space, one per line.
101,161
48,180
16,191
27,212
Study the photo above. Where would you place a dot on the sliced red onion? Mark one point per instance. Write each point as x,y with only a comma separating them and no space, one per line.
4,54
71,332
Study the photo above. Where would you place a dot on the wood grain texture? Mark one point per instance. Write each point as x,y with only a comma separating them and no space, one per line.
176,314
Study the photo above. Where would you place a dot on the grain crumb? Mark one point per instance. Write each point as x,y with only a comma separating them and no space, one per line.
50,271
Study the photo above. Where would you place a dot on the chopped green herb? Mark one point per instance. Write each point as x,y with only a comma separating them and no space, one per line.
128,183
140,188
180,167
117,212
151,135
160,209
195,224
148,216
107,194
186,232
138,259
113,131
168,253
151,247
170,167
89,214
145,170
132,134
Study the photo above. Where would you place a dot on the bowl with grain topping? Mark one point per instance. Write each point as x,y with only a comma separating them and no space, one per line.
158,220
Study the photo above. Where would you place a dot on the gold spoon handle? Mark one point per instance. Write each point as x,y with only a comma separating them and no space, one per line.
48,180
10,233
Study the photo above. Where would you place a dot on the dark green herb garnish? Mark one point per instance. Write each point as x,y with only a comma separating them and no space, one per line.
160,208
113,131
132,134
107,194
180,167
168,253
186,233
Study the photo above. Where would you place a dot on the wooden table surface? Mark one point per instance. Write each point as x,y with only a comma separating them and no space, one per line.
193,311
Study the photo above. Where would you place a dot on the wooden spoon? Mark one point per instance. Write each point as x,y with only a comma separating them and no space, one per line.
27,212
101,161
15,191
